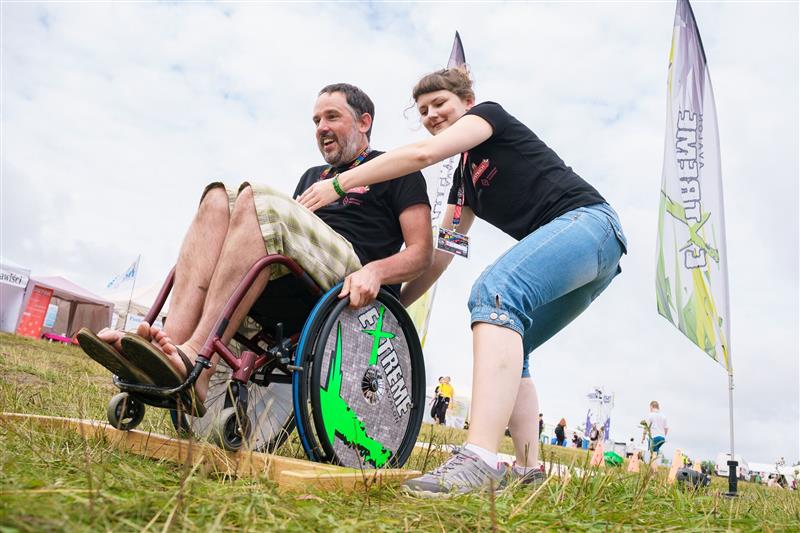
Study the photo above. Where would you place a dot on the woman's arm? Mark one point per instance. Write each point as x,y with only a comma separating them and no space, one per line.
466,133
415,288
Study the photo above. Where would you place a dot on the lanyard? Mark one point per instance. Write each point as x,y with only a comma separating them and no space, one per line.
360,159
460,194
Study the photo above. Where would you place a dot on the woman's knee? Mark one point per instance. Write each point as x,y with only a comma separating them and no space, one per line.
492,303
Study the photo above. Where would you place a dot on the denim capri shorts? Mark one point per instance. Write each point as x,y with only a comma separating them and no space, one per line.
551,276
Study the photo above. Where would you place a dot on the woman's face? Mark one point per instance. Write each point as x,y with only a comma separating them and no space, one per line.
440,109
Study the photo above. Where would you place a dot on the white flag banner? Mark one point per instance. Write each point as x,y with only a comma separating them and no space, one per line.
129,274
691,266
420,311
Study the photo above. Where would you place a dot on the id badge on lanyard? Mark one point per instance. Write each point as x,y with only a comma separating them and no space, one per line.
450,240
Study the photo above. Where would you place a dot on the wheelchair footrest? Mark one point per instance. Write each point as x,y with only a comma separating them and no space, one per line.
167,397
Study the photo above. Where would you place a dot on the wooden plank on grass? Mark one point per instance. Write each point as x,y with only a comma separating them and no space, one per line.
346,479
243,463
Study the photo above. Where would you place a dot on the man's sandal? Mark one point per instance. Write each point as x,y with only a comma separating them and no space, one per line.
110,358
152,362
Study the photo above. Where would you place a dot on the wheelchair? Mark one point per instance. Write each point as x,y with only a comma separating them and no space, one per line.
352,381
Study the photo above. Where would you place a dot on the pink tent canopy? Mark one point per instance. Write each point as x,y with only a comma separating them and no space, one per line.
77,307
66,290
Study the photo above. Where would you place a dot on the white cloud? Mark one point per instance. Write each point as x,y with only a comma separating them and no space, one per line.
116,115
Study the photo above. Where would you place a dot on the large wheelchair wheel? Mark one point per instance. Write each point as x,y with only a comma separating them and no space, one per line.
269,409
360,397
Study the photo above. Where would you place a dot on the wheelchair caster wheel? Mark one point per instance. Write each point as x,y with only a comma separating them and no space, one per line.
269,407
231,429
125,412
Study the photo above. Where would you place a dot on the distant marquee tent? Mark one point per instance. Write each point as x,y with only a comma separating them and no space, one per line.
136,305
68,307
14,281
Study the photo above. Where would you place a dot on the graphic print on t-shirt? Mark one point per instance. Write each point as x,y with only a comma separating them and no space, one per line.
478,170
535,187
350,199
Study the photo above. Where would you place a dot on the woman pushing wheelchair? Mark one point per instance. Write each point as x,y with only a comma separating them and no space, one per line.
570,242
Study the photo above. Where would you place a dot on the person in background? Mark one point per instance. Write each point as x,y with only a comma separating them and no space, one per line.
541,425
656,428
435,401
560,428
576,440
446,397
594,437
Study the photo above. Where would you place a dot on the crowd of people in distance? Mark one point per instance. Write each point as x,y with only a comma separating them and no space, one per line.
654,434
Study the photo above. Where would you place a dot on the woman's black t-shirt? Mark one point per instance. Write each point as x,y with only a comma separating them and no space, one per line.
513,180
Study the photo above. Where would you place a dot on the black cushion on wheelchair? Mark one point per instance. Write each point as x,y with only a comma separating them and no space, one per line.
285,300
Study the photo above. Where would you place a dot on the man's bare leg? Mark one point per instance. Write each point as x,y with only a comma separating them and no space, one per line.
243,246
523,425
197,261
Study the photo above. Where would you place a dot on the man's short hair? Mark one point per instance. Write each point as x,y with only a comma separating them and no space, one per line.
357,99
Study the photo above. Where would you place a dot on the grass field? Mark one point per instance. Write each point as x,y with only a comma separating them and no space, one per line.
56,481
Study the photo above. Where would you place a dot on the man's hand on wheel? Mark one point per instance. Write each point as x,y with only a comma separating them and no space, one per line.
362,286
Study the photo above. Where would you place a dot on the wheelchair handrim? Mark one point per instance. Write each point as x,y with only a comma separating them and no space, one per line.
300,392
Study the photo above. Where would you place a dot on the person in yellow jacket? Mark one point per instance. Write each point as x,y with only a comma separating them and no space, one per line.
445,399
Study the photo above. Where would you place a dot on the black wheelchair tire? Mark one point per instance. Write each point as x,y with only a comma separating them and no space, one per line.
304,359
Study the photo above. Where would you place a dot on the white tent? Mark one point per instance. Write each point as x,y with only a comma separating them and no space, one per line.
140,303
13,282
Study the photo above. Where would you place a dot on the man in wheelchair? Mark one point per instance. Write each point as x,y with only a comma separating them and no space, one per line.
357,239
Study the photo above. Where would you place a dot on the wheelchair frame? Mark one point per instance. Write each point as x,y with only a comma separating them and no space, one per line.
233,426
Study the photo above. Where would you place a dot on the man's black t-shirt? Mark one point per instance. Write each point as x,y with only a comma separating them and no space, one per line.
513,180
368,217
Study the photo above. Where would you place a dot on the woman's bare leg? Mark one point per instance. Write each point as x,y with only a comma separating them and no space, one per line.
524,425
497,366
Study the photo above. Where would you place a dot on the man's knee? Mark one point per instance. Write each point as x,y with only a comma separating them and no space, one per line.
215,201
244,206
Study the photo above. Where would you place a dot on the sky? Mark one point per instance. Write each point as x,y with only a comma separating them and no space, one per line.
116,115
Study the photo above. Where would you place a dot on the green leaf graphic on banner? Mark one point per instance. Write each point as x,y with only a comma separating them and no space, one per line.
679,213
697,317
663,292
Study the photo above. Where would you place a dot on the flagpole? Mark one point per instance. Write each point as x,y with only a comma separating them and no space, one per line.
732,463
133,285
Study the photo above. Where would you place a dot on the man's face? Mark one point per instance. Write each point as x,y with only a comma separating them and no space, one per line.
338,132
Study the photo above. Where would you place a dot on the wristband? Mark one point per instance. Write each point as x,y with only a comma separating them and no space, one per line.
337,187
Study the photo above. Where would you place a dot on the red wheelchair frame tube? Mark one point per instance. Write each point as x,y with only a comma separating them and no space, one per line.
242,367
